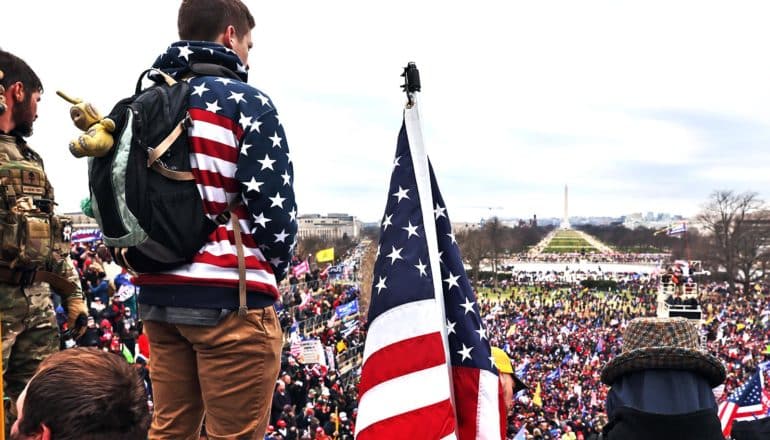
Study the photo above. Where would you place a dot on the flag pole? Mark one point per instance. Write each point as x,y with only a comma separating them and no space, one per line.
413,125
411,84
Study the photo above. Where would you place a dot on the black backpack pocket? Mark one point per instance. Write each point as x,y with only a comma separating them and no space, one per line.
177,222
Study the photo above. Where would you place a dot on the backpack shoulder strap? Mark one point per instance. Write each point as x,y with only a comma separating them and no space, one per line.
166,78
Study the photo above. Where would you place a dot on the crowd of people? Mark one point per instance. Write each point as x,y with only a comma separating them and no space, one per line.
318,400
310,400
574,276
558,339
591,257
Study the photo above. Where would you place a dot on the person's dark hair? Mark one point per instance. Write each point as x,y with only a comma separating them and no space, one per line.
15,70
205,20
86,394
104,254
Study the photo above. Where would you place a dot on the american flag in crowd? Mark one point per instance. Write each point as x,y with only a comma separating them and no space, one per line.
677,229
301,269
745,403
407,387
553,375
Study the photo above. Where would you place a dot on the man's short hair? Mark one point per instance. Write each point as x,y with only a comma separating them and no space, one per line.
85,393
16,70
205,20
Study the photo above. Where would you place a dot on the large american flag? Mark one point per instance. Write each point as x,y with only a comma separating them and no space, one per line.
420,293
745,403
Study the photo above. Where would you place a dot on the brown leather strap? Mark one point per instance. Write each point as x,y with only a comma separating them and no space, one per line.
242,308
165,144
121,253
174,175
166,77
60,284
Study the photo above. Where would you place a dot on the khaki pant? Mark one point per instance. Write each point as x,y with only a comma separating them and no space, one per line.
226,372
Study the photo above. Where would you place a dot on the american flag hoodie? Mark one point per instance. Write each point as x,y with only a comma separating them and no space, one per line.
238,149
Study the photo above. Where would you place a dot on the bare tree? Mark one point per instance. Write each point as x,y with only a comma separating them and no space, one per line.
751,246
730,218
497,240
474,248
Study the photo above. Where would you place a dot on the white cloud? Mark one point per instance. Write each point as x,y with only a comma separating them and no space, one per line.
518,97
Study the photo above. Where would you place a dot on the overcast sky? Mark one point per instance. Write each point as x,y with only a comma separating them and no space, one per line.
643,106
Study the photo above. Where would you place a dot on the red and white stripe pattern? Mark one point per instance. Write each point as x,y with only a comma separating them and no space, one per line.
301,269
730,412
428,371
405,384
223,141
745,403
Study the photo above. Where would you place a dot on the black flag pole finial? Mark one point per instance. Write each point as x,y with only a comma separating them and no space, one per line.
411,82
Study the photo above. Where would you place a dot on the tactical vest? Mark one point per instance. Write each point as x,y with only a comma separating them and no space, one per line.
29,230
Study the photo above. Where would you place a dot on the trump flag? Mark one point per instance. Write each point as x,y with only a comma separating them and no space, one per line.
428,371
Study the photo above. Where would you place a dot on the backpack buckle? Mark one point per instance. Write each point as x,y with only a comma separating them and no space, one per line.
222,218
187,122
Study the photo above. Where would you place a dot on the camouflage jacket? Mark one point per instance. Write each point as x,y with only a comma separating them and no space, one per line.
31,235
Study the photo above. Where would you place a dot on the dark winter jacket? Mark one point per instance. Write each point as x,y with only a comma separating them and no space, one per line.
631,424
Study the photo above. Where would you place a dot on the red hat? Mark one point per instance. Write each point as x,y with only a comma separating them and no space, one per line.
281,423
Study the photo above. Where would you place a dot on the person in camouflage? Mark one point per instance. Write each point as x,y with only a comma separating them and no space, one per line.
33,257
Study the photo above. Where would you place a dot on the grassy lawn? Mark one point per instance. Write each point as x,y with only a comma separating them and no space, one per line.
568,242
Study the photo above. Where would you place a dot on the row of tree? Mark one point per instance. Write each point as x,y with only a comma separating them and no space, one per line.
730,236
736,228
639,240
493,241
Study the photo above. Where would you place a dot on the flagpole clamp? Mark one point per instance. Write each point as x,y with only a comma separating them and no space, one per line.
411,82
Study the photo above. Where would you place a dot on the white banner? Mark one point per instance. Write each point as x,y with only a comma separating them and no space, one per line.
313,352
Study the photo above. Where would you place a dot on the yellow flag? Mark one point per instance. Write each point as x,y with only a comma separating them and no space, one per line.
536,399
325,255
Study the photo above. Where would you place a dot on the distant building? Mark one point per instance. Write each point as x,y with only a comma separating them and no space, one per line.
81,221
329,227
650,220
458,227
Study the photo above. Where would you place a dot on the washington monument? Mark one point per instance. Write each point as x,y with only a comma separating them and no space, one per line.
565,220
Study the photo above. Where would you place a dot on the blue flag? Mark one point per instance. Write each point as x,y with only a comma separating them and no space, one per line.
522,369
553,375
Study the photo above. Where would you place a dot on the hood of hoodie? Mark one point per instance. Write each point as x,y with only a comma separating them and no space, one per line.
178,57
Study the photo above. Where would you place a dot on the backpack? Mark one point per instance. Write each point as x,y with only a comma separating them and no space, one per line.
143,193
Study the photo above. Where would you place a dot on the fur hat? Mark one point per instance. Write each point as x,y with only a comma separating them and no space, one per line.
663,343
